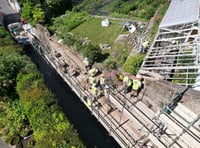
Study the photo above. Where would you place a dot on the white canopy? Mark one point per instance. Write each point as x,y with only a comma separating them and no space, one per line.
181,12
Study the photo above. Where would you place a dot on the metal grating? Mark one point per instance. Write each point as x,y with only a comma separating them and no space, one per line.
175,53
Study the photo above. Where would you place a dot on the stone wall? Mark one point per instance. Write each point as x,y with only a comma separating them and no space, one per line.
159,92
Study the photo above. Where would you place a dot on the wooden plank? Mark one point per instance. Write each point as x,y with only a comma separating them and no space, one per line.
155,141
176,129
190,141
185,123
145,109
185,112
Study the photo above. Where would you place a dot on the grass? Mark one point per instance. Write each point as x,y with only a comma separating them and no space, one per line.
96,33
104,35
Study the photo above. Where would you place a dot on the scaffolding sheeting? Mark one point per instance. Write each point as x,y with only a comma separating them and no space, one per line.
181,12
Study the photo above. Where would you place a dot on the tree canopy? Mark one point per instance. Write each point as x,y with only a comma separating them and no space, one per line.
37,11
26,104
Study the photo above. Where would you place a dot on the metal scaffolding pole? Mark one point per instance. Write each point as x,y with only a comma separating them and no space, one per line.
184,130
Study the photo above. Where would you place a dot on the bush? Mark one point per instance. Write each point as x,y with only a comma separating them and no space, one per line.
68,21
1,125
109,64
133,64
77,46
92,52
15,140
8,139
24,133
68,39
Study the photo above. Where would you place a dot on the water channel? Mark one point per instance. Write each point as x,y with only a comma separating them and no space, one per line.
90,130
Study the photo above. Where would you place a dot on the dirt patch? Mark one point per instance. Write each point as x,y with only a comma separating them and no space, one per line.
122,38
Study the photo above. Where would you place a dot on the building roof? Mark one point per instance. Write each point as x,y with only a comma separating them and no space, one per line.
181,12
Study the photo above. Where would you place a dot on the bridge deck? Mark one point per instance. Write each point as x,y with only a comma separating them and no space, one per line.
131,122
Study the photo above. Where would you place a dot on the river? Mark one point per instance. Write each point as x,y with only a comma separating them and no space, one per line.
90,130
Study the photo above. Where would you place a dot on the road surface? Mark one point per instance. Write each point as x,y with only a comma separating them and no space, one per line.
5,7
3,144
10,15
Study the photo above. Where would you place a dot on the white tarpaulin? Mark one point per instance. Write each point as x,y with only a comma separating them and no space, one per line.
181,12
105,23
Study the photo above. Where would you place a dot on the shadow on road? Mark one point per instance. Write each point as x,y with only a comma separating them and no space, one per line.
11,18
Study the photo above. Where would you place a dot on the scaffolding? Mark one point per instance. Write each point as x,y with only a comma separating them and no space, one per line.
175,52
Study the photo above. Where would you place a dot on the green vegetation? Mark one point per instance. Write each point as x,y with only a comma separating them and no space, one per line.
182,75
65,23
82,26
27,107
133,64
37,11
96,33
90,28
158,18
141,9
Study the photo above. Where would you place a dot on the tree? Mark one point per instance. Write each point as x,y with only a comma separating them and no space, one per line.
10,65
38,15
33,109
27,10
16,117
92,52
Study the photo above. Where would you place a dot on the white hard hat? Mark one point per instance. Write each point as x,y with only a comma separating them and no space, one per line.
138,76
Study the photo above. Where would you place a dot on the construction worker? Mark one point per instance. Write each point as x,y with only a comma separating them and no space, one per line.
89,102
136,87
92,72
102,82
128,83
121,77
92,81
145,46
94,92
86,63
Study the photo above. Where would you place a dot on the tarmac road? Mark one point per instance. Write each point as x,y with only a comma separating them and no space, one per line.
3,144
5,7
10,15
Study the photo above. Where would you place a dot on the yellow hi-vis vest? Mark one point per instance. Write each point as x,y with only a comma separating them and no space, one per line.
91,80
136,85
89,102
129,83
121,77
94,90
91,72
145,44
125,79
